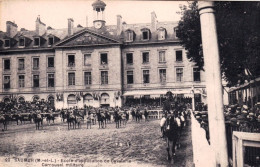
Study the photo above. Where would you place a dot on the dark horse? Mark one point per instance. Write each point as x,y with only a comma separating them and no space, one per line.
4,120
38,119
63,115
100,118
172,134
117,119
71,119
49,118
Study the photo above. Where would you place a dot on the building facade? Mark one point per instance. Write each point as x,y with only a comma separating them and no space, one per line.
99,65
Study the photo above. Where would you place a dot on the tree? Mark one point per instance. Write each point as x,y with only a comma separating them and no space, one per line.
238,36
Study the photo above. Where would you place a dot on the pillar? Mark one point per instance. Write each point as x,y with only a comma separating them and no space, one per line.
213,82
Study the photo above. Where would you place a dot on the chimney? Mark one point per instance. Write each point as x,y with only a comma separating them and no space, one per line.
119,24
124,25
70,26
40,26
11,29
86,21
153,22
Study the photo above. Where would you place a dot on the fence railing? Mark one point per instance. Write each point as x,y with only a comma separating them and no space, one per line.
203,154
155,114
246,149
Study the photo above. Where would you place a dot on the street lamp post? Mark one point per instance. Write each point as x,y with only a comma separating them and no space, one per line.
213,82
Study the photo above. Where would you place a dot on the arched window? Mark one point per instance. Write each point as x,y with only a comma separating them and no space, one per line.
35,98
72,99
6,100
88,98
104,98
51,100
21,99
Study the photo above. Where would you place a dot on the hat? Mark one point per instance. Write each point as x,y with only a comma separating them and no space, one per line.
244,112
245,107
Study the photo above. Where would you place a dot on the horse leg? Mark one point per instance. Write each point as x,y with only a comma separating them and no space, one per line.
68,125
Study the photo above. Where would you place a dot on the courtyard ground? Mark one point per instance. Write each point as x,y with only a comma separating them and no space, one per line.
137,144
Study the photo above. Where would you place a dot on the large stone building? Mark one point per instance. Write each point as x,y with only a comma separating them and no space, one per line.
95,65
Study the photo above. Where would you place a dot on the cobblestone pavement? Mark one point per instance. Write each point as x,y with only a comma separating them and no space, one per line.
137,144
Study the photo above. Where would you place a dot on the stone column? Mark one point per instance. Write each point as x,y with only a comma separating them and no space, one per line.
213,82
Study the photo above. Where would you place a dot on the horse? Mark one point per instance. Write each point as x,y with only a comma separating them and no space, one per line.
133,114
38,119
71,119
107,117
117,119
123,118
100,120
146,115
49,117
3,120
138,116
172,133
63,115
15,117
78,120
25,117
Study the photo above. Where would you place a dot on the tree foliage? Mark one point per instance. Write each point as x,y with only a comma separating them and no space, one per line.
238,29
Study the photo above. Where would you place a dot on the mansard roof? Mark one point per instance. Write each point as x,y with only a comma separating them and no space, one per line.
106,35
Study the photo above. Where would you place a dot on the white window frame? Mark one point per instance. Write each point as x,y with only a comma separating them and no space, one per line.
5,43
182,71
21,83
34,39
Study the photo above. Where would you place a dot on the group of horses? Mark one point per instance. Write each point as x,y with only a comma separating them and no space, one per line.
35,117
102,117
75,118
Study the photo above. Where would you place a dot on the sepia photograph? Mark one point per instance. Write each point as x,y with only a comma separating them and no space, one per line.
98,83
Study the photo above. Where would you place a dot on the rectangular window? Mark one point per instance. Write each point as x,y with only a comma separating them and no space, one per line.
36,42
7,43
179,74
36,82
178,55
162,57
162,73
145,57
87,59
129,58
50,41
51,80
146,76
104,77
7,82
130,77
21,42
21,81
71,61
71,78
87,76
145,35
20,64
36,63
103,58
196,74
50,61
7,64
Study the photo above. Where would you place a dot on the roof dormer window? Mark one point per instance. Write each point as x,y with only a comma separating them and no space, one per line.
146,35
129,36
161,34
50,41
36,42
21,42
176,32
7,43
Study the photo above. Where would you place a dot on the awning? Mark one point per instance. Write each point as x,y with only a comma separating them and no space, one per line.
156,92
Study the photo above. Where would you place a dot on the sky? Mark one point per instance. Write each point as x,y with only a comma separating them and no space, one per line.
55,13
